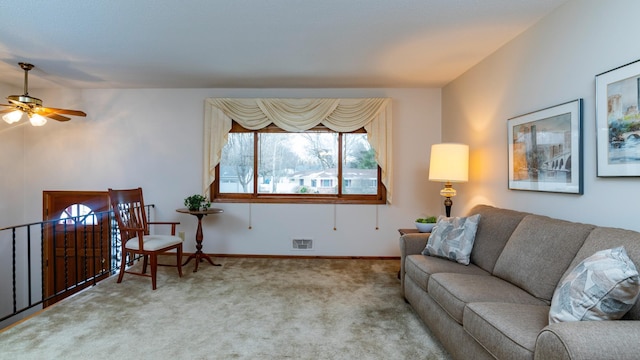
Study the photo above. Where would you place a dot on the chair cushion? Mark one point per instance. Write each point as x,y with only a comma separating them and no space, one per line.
539,252
507,331
603,286
153,242
452,238
454,291
420,267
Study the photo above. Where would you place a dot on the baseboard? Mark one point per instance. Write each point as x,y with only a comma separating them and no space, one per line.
301,256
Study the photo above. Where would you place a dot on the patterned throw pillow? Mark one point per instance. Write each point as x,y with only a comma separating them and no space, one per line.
453,238
603,286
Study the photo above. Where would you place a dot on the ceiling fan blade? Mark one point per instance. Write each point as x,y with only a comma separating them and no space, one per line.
7,111
45,111
57,117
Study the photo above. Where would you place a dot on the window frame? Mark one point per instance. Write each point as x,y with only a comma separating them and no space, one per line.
85,215
216,196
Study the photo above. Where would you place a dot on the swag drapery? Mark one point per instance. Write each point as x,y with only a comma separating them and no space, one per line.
297,115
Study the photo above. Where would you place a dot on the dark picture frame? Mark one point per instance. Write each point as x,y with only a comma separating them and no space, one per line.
618,121
545,149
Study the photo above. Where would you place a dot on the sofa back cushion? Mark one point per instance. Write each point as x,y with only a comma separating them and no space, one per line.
494,229
539,252
602,238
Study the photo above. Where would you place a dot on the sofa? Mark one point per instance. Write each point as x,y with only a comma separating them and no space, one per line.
498,306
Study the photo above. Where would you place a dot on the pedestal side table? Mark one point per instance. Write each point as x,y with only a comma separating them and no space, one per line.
199,255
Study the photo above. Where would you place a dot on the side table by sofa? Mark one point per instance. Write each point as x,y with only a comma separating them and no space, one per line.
408,231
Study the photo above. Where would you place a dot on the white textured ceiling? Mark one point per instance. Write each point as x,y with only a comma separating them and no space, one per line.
254,43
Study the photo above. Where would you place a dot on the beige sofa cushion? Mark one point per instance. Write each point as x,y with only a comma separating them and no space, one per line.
454,291
494,229
539,252
420,267
507,331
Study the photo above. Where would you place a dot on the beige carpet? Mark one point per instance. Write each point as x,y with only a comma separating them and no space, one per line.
249,308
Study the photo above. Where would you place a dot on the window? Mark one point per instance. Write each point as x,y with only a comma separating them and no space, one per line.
326,183
78,213
264,162
273,165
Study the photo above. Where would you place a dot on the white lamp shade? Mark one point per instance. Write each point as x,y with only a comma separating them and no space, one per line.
37,120
13,116
449,162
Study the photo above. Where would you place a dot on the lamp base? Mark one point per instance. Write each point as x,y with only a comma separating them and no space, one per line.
447,206
448,192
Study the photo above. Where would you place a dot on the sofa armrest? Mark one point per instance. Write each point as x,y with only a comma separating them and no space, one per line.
410,244
413,243
589,340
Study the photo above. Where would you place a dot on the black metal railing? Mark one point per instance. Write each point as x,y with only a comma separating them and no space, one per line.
52,259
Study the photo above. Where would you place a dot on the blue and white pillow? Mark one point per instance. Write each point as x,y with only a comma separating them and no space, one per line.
453,238
603,286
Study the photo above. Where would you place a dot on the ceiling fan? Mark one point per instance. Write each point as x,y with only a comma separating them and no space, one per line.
25,104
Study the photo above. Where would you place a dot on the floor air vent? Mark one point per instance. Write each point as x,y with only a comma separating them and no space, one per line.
302,244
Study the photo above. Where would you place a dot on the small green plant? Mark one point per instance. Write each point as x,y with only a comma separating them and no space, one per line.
197,202
427,220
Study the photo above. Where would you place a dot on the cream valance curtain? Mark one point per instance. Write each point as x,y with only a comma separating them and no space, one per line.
297,115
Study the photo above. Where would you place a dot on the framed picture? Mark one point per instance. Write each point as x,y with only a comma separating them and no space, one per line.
618,121
545,149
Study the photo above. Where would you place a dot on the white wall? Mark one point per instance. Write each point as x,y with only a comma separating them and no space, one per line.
11,169
153,138
551,63
11,204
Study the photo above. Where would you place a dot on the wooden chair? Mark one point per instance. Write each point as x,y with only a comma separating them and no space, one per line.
128,206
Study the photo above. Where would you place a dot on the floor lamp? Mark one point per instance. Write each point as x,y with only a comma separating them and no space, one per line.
449,163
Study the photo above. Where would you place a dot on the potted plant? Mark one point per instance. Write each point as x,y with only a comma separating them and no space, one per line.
426,224
197,202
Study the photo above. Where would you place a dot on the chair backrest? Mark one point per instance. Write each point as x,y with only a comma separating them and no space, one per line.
128,207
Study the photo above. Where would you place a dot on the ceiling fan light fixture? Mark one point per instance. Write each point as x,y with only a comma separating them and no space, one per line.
37,120
13,116
33,106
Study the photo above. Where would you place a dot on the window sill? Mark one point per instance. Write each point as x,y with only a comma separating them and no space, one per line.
301,200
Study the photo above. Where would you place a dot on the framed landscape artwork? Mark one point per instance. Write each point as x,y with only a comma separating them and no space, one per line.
618,121
545,149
